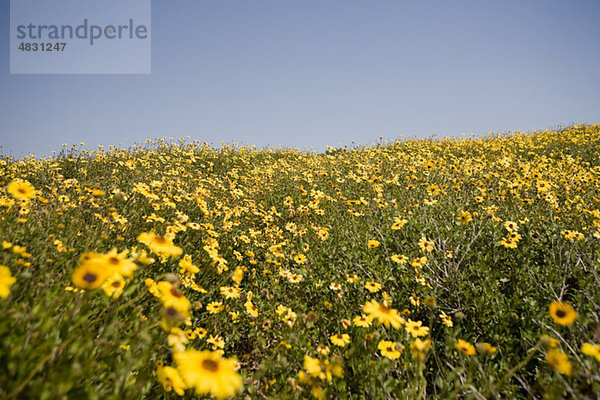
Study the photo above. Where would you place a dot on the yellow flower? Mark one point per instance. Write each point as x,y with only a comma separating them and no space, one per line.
215,307
113,286
300,258
419,348
508,243
208,373
322,350
415,328
592,350
465,347
230,292
217,342
362,321
425,246
562,313
399,259
371,244
384,315
187,266
391,350
21,189
464,217
159,244
418,262
170,379
238,275
118,261
559,361
548,341
251,309
446,319
322,369
340,340
170,295
6,281
92,271
373,287
399,222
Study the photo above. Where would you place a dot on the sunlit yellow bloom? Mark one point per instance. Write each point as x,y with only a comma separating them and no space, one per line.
92,271
6,281
371,244
399,222
159,244
383,314
562,313
362,321
170,379
464,217
446,319
215,307
592,350
340,339
391,350
21,189
465,347
415,328
208,373
425,246
300,258
373,287
230,292
419,348
113,286
559,361
399,259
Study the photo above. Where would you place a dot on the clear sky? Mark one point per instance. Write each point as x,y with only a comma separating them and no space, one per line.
310,73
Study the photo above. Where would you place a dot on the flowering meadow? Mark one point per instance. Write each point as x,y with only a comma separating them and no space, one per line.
435,268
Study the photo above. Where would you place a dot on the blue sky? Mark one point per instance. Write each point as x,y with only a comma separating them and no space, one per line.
304,73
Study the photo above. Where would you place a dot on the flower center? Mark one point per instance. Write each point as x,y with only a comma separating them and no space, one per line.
113,260
561,314
210,365
384,309
171,311
89,277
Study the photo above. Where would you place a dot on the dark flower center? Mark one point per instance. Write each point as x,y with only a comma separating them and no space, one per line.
160,240
210,365
113,260
171,311
89,277
384,309
175,292
561,313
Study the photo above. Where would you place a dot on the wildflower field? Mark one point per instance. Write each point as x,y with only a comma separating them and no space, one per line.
446,268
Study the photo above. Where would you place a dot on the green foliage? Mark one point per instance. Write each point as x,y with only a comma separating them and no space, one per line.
256,211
